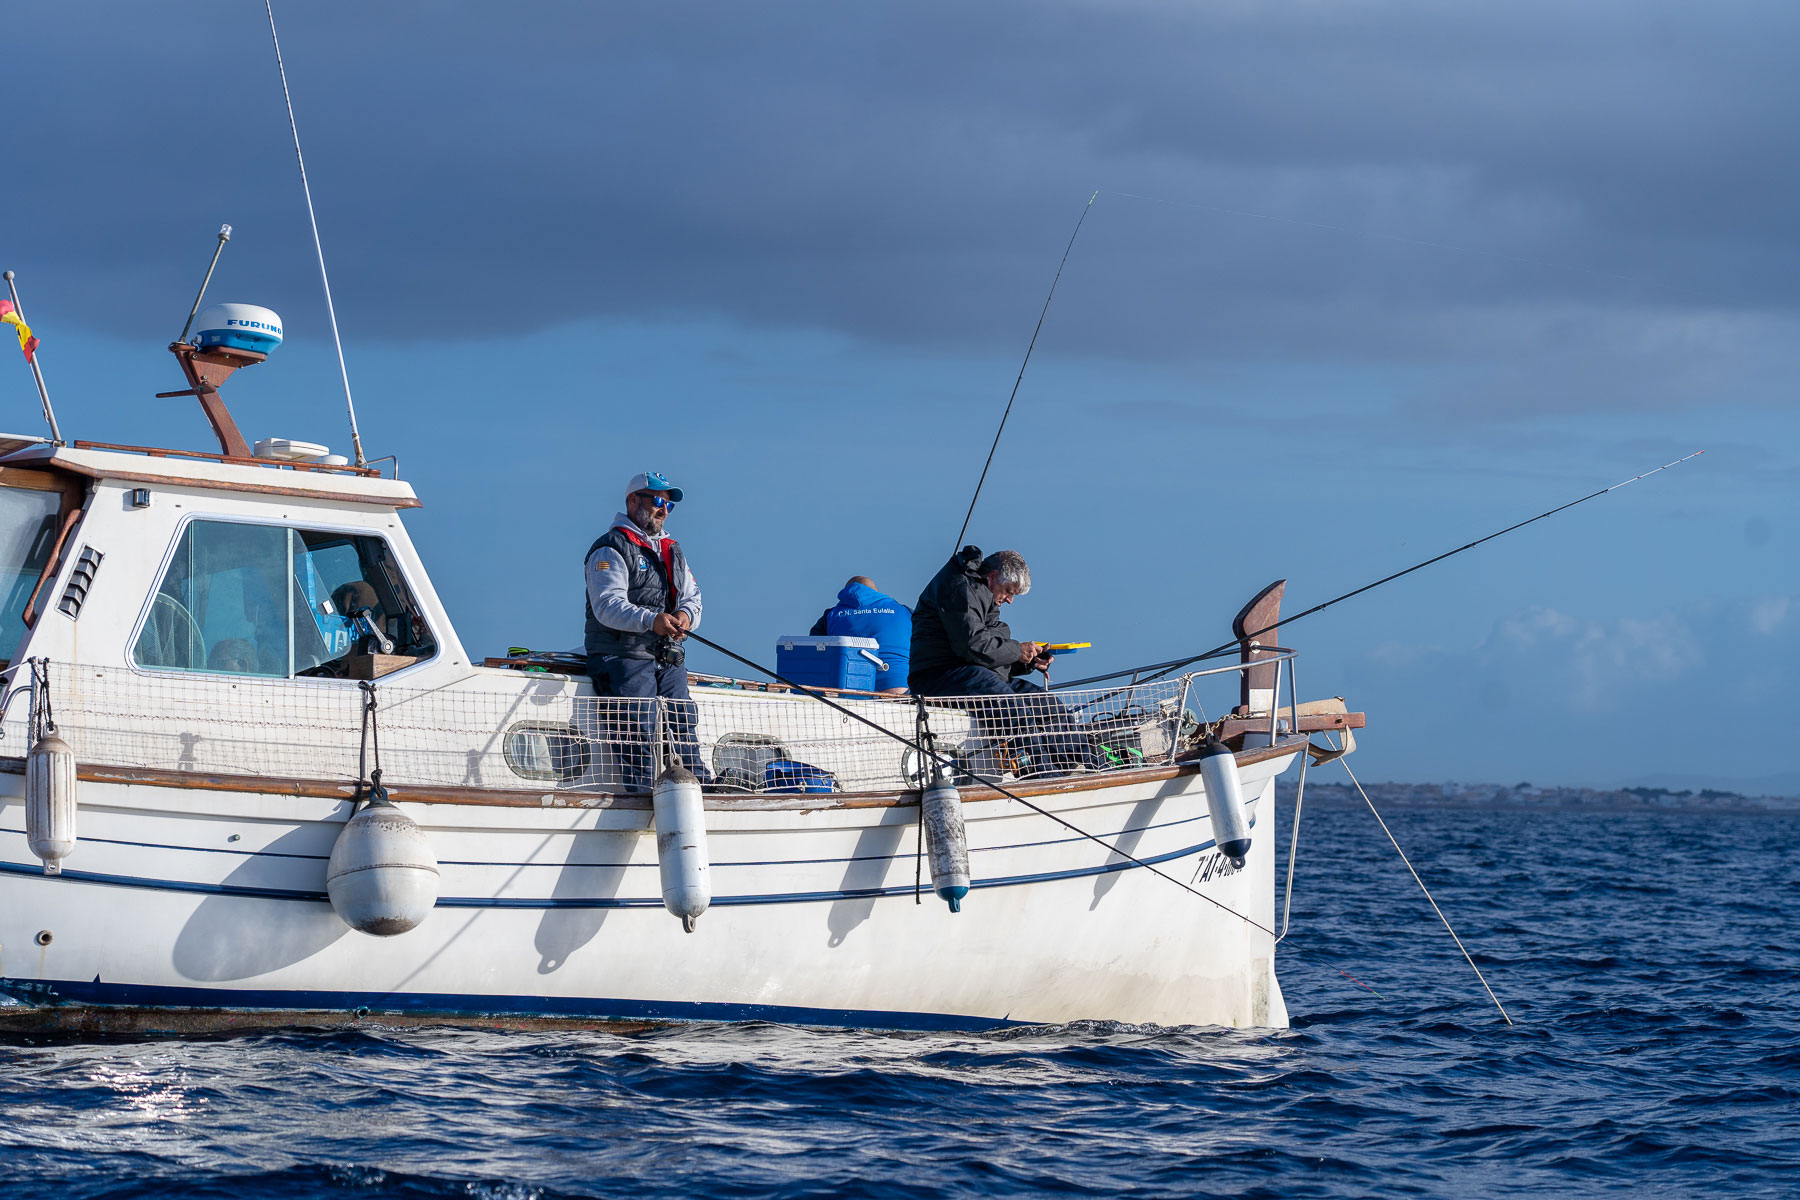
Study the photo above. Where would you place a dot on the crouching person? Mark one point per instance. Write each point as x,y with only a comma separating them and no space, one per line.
641,601
961,647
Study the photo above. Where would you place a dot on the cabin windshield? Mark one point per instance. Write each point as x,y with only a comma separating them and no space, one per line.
268,600
27,536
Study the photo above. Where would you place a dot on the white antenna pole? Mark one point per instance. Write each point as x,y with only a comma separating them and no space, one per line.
355,436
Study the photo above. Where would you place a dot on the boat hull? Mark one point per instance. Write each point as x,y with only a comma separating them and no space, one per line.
188,908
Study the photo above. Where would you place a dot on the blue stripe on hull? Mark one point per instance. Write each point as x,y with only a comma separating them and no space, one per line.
248,855
48,993
221,889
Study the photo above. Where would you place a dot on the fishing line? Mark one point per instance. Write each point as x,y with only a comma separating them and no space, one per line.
933,756
330,312
1015,388
1427,891
1384,237
1163,668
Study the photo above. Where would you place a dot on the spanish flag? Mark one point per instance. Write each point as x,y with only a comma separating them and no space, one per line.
9,316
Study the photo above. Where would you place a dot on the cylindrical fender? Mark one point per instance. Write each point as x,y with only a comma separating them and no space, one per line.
50,801
946,841
681,844
1225,801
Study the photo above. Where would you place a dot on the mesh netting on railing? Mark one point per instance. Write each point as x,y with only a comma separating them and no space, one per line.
537,734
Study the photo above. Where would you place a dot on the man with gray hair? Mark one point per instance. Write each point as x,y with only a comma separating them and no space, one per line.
961,647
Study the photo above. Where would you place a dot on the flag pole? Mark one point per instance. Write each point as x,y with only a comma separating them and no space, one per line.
37,372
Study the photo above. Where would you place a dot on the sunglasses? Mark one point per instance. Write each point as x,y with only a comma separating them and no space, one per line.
655,501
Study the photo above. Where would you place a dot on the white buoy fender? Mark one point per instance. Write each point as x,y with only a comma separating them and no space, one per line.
681,844
383,877
1225,801
946,842
50,801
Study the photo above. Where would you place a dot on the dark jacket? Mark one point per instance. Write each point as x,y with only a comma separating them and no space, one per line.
866,613
956,623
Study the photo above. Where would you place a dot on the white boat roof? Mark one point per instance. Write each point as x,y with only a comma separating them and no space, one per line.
196,469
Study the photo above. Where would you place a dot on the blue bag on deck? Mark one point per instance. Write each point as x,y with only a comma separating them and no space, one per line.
784,775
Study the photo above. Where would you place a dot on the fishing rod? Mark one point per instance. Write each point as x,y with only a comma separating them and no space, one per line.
1163,668
967,517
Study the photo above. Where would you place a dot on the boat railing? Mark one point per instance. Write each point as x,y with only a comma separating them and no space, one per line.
539,734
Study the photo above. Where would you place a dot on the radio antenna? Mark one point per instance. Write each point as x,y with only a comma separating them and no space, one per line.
349,402
224,236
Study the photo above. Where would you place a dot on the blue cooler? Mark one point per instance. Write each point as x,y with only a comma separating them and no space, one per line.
829,662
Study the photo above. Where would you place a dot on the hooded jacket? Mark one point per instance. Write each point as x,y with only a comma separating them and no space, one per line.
863,612
957,623
625,592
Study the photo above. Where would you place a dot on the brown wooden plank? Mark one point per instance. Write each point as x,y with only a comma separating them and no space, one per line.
1310,723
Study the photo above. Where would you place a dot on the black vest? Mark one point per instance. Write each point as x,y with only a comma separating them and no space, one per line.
644,586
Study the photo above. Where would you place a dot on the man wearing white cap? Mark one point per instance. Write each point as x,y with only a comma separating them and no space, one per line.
641,601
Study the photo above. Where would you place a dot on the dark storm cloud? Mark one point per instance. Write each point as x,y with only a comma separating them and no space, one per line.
910,173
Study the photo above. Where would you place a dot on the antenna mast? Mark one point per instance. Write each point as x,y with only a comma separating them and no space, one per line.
349,402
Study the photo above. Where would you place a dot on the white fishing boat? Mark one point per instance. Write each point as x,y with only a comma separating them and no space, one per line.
250,775
210,654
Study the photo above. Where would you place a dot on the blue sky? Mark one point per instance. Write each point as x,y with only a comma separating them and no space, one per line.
1406,273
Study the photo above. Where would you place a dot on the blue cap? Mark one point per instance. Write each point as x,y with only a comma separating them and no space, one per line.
652,481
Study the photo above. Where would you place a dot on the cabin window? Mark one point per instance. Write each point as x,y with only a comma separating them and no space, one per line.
28,525
276,602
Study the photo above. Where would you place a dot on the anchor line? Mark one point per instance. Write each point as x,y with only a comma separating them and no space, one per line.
932,756
1427,891
967,517
1163,668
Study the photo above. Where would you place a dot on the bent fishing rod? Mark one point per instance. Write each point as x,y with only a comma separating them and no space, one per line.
1163,668
967,517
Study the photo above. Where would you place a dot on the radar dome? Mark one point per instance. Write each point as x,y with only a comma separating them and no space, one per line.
239,327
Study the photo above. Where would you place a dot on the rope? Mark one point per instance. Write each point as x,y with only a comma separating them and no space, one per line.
371,734
1287,902
934,757
42,719
1427,891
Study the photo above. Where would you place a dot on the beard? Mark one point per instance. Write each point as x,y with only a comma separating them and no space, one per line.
650,520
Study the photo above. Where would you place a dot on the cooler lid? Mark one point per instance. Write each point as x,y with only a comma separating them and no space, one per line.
828,643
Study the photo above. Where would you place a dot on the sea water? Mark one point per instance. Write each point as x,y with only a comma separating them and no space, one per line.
1648,959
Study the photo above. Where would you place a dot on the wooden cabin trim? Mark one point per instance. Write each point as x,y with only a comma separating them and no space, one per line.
233,459
225,485
326,789
77,494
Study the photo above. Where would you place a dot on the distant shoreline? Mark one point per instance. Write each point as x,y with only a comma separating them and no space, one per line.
1525,798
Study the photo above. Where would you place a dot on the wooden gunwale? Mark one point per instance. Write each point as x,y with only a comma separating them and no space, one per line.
328,789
